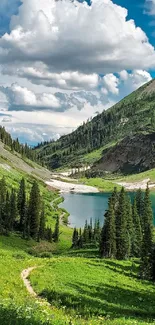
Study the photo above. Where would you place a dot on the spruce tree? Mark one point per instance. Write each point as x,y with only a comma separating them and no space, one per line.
147,242
13,209
21,204
130,227
34,210
109,244
41,233
75,238
56,230
137,232
80,241
140,206
86,233
7,217
122,235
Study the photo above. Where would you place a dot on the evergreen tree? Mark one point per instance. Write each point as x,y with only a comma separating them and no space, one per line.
41,234
109,240
21,203
140,206
86,233
56,231
34,210
13,209
75,238
122,235
80,241
137,233
130,227
147,242
7,217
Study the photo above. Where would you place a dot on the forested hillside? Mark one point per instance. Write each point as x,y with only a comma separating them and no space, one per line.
133,115
16,146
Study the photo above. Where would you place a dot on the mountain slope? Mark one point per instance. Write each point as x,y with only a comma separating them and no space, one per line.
133,115
134,154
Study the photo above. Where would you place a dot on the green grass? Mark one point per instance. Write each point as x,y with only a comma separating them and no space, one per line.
95,155
94,289
139,177
102,184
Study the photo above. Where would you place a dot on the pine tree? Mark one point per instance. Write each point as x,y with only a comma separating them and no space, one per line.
140,206
130,227
13,209
86,233
56,231
41,233
137,233
80,241
21,204
34,210
75,238
7,218
147,242
148,224
122,235
109,241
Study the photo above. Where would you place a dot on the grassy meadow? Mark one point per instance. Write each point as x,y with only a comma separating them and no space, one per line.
75,286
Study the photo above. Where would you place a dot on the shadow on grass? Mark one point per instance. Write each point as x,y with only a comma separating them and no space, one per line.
89,300
10,316
127,270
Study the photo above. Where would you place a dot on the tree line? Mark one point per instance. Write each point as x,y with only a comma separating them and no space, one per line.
15,145
24,212
89,236
127,231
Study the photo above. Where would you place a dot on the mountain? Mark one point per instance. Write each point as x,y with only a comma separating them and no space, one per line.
132,116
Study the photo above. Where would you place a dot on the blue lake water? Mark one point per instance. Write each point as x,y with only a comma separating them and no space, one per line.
83,206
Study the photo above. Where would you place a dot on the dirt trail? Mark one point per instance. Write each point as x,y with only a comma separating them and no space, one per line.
24,275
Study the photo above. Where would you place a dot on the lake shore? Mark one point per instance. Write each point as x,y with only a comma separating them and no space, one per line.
66,187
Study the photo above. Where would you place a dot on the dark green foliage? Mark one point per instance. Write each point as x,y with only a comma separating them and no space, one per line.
147,242
25,216
137,232
41,233
140,206
108,237
34,210
75,238
13,209
122,234
22,204
56,231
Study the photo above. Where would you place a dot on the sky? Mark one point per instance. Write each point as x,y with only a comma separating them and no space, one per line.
62,62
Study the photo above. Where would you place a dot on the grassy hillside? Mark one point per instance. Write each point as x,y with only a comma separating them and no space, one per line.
101,291
133,115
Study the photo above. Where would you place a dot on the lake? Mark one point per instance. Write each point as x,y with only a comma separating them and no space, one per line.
83,206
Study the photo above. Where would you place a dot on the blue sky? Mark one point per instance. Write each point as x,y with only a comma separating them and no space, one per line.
62,62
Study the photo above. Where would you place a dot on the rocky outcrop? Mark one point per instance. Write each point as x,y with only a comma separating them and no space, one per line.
132,155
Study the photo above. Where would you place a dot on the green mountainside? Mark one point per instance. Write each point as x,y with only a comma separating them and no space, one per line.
133,115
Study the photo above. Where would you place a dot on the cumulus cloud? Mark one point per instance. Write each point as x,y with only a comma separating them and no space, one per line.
110,83
21,98
41,74
134,80
71,36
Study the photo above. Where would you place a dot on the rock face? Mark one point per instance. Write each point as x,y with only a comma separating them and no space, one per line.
132,155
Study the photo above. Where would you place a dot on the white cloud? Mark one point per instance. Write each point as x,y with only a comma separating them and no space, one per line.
23,98
40,74
110,82
71,36
134,80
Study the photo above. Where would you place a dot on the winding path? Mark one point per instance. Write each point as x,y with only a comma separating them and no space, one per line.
24,275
